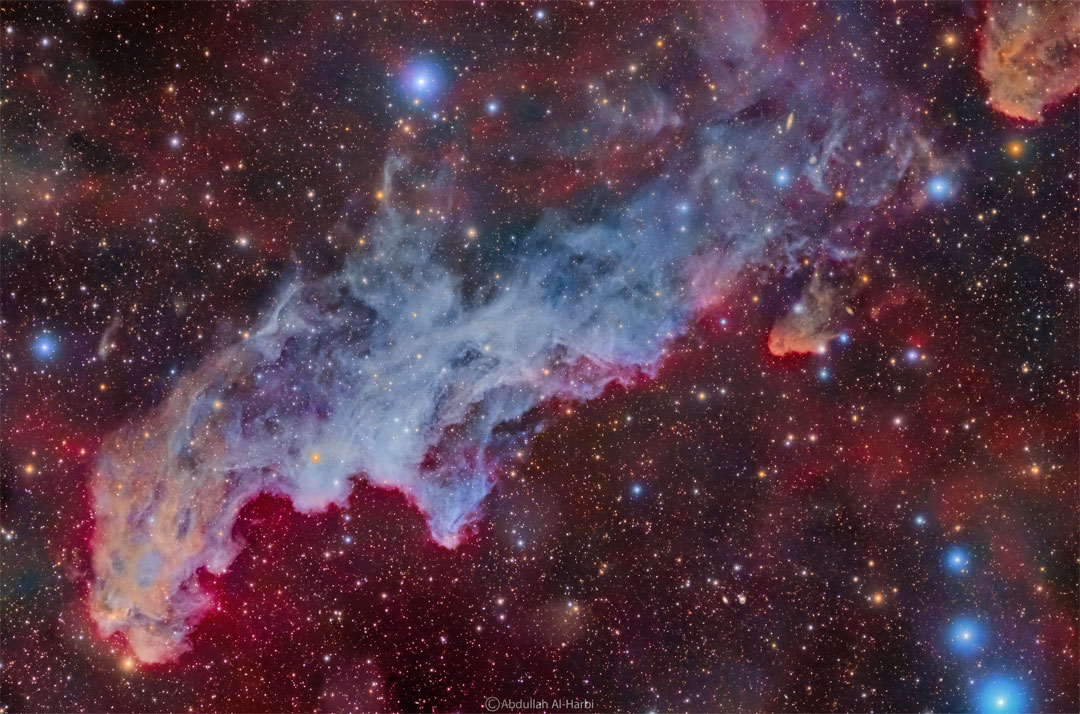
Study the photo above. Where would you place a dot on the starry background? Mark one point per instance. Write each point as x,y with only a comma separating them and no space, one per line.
891,525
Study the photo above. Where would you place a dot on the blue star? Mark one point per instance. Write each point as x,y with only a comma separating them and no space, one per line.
422,79
957,560
939,188
965,635
637,489
45,346
781,178
1001,695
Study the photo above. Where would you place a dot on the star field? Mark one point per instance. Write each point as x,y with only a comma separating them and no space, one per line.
407,356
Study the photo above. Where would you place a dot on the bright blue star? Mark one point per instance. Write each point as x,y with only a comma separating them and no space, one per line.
422,79
45,346
541,14
781,178
965,635
422,82
939,188
844,338
920,520
823,374
492,107
957,560
637,489
1001,695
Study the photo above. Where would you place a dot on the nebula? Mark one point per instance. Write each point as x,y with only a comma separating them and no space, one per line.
811,323
1030,56
402,369
687,356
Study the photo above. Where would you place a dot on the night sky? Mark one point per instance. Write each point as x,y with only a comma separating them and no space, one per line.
474,356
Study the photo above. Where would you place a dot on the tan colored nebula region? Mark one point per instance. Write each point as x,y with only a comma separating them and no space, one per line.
811,324
1030,55
159,515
